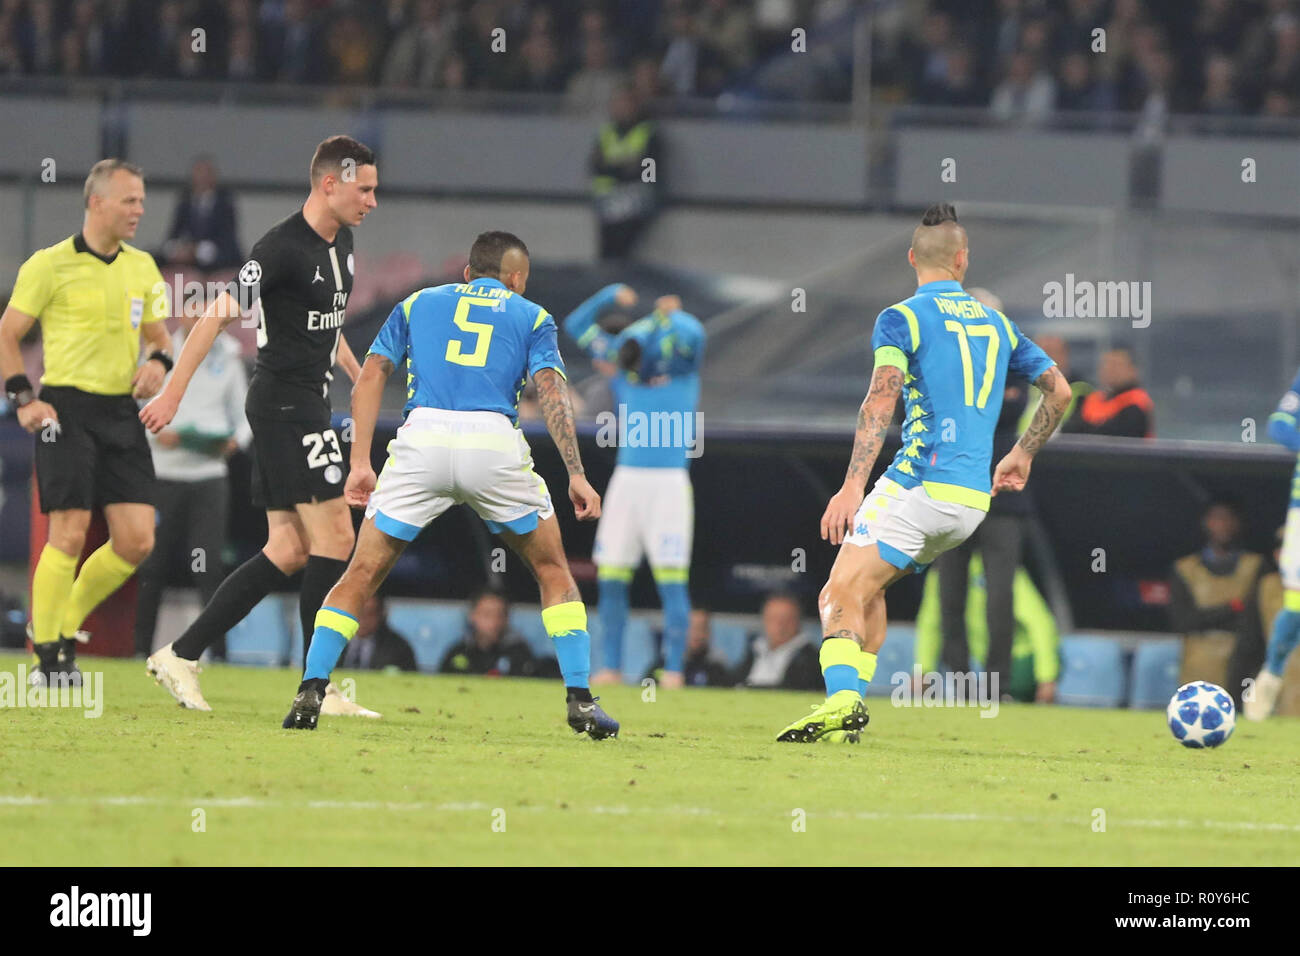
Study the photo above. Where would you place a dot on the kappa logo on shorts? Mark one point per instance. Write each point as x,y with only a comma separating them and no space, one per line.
250,273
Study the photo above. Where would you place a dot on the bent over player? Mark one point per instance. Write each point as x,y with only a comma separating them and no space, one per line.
95,297
948,356
297,279
467,349
654,371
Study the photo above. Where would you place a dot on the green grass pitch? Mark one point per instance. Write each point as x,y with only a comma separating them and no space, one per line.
481,771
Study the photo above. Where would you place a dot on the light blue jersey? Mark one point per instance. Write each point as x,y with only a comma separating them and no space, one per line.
672,352
1282,428
955,355
468,346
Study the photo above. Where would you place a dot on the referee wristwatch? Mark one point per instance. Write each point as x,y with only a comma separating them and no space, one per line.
18,389
162,358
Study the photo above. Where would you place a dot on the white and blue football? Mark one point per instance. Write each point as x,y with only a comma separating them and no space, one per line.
1201,714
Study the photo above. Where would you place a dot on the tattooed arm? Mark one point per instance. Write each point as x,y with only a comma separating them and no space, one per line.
873,422
1013,470
557,410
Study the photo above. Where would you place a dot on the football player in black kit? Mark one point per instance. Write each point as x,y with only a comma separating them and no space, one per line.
296,281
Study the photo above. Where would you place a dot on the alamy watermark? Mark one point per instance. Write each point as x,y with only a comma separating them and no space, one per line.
86,695
636,429
967,689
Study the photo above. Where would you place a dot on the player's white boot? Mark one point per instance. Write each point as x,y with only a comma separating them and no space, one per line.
1263,696
179,676
336,705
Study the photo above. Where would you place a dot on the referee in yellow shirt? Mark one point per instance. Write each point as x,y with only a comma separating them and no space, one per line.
95,296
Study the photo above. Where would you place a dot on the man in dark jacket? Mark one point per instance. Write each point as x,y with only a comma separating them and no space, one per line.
489,646
782,655
1120,407
377,646
204,234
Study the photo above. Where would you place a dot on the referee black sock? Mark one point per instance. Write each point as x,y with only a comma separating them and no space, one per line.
318,577
239,593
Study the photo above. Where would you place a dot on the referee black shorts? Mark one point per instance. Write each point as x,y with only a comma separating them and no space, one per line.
97,456
295,462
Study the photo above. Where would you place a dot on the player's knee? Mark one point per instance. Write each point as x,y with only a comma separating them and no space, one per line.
287,551
135,547
68,532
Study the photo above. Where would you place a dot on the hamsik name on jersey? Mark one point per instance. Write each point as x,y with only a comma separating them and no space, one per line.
955,355
468,346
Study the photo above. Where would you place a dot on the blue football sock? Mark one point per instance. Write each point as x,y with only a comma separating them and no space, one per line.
613,607
567,625
1286,634
334,629
676,599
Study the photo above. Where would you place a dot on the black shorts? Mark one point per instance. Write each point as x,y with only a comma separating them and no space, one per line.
295,462
98,456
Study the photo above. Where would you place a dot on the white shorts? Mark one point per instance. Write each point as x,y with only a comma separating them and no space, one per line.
908,527
646,512
441,458
1289,561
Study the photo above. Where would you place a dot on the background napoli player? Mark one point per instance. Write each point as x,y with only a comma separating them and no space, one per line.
467,350
654,369
948,356
1282,428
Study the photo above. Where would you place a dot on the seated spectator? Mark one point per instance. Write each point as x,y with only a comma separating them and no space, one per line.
702,666
1120,407
1027,95
377,646
1208,592
783,655
204,234
1035,642
1079,89
489,646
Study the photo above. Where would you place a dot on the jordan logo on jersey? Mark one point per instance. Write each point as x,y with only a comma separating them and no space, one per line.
317,277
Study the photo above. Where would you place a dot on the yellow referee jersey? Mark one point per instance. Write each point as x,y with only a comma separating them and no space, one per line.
90,310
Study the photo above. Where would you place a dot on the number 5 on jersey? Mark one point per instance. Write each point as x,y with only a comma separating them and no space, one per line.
482,331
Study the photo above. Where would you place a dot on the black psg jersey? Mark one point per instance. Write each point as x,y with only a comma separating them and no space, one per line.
296,285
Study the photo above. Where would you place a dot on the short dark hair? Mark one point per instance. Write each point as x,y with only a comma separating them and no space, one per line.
482,594
489,249
788,596
939,212
331,154
101,172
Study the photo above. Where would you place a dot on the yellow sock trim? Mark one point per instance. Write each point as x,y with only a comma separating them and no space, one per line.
671,575
608,572
101,574
347,626
866,666
1291,600
562,618
839,650
51,585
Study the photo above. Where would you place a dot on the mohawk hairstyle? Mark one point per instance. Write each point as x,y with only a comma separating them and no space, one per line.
939,212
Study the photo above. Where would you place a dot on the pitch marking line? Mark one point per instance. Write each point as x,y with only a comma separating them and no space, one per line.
462,807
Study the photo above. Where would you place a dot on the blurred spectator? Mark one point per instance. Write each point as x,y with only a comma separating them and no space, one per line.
192,492
377,646
352,50
1034,659
1120,407
1028,93
625,202
1220,97
538,69
488,70
290,46
783,655
203,233
416,55
702,666
1208,591
1078,89
957,86
730,30
592,86
489,645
